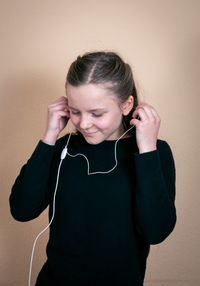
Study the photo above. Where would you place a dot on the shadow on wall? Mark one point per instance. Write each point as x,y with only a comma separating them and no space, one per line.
24,101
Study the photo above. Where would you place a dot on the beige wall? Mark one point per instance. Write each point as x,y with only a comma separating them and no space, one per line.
161,40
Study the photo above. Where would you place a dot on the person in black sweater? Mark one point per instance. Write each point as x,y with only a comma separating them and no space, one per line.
111,193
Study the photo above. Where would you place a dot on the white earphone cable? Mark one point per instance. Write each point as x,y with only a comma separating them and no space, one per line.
88,165
34,244
63,155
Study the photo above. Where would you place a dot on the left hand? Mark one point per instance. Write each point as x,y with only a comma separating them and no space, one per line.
147,124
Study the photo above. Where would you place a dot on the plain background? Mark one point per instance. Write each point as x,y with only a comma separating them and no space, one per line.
161,41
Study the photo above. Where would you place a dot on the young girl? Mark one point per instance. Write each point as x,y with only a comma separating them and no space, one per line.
112,194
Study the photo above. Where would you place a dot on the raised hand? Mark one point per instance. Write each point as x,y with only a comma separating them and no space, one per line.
147,124
57,118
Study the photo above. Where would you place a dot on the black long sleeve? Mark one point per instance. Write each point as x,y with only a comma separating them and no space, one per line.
30,192
103,224
155,195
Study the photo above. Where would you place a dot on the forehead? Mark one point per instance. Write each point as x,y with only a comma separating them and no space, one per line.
90,95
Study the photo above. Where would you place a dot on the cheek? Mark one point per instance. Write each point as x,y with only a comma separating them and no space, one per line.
108,122
74,119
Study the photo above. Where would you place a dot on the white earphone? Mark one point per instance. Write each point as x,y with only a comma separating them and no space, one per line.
62,157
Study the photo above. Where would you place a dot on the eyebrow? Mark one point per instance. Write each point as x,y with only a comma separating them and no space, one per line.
91,110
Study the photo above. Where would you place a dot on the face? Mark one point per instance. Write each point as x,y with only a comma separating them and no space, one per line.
95,112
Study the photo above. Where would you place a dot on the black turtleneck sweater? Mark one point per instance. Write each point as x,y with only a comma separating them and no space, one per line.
104,223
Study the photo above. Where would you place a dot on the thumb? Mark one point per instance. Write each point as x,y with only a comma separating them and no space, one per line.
134,122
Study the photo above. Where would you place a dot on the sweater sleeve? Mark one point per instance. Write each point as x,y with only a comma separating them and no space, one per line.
155,193
30,192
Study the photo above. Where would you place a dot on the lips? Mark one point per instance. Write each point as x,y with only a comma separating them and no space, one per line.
90,134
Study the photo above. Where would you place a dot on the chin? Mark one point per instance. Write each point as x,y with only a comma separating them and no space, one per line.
93,140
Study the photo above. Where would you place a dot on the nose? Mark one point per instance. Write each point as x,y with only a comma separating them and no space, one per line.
85,122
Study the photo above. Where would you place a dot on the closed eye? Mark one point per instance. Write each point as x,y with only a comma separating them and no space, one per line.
75,112
97,115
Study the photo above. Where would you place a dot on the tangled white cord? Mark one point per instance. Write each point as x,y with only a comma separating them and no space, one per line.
63,155
65,151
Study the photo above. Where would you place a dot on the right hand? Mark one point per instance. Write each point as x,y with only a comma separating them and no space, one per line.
57,118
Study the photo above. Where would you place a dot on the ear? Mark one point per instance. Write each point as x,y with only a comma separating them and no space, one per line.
127,105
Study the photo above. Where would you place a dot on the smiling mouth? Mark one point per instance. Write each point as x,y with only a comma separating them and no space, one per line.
90,134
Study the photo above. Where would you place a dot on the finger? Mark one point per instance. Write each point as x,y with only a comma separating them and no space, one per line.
58,106
135,122
58,103
141,113
62,98
61,114
155,113
150,111
59,100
